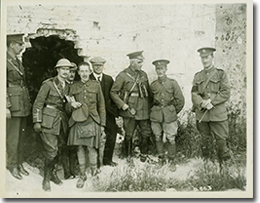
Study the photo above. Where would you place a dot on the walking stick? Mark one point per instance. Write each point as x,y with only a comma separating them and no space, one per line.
203,116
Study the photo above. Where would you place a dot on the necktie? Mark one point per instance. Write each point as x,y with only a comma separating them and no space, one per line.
99,78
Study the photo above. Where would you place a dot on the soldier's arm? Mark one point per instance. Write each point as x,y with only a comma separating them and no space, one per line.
179,98
39,103
116,88
101,106
195,96
223,94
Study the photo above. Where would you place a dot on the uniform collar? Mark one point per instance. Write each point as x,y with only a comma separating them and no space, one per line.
57,81
210,70
69,82
163,79
82,83
131,72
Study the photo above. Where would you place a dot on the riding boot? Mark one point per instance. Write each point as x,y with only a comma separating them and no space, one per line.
73,162
160,151
53,177
46,180
144,149
171,156
65,165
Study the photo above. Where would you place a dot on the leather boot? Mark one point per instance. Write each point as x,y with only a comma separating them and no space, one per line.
55,178
223,154
171,156
159,147
22,170
72,163
53,173
144,149
15,173
66,170
46,180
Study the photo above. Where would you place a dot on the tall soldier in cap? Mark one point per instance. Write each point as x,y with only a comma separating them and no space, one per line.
209,93
168,101
106,82
88,120
18,106
50,119
130,94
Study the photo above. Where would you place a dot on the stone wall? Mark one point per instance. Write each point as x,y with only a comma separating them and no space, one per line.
231,43
172,31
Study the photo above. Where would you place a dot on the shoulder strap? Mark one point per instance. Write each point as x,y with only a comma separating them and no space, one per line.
207,81
9,60
132,88
58,91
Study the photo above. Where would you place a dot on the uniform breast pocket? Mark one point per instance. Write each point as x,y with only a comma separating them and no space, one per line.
199,84
91,96
54,95
15,96
214,85
169,94
48,117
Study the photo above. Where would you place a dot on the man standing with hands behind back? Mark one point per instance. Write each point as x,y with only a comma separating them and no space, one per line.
209,93
18,106
168,101
106,82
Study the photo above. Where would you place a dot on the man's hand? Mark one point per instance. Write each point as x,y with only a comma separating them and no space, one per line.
205,103
209,106
125,107
37,127
75,104
8,113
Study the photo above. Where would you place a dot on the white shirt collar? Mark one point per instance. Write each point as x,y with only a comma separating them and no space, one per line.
96,76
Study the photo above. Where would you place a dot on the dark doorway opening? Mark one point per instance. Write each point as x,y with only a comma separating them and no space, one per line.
39,60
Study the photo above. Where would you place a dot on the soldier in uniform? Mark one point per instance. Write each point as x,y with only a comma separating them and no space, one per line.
168,101
18,106
106,82
209,93
88,120
130,94
68,154
50,119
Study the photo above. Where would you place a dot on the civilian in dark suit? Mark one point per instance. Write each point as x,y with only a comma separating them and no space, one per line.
106,82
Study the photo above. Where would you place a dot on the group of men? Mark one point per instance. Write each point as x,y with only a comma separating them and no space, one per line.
77,118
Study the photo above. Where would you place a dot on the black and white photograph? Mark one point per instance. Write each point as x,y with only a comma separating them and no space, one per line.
127,99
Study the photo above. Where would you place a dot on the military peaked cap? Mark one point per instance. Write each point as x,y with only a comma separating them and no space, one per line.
74,66
137,55
18,38
206,51
160,62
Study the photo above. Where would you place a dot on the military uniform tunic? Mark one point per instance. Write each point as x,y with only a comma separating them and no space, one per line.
120,94
48,109
168,100
18,102
215,120
88,132
217,89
